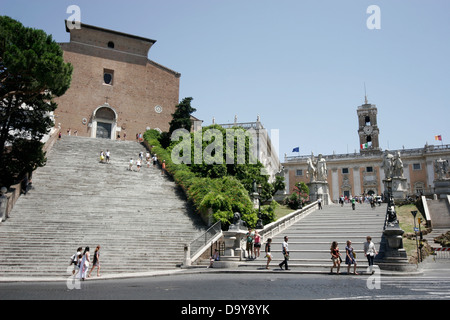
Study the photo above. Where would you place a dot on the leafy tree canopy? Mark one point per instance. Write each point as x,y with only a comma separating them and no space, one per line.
32,73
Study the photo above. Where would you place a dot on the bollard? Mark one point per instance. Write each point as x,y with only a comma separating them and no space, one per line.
3,203
187,255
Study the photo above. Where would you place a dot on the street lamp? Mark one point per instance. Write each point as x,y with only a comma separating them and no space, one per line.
414,213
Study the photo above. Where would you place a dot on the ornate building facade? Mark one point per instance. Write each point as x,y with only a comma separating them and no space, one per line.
116,89
362,173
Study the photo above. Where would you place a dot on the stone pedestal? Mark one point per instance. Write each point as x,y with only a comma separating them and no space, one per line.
319,190
442,188
398,185
392,256
233,250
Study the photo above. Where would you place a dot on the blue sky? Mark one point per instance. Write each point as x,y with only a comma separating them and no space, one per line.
300,65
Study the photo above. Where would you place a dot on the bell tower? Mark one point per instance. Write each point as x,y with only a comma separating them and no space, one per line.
368,129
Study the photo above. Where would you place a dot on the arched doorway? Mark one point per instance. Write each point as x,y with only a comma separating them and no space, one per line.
104,122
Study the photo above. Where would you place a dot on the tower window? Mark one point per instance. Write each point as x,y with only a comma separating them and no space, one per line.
111,45
108,76
367,120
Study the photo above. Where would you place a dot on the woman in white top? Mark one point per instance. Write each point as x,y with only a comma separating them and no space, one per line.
84,265
369,250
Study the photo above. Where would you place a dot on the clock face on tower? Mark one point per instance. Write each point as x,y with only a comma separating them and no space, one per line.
368,129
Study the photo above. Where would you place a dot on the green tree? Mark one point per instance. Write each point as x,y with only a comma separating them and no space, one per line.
241,168
32,74
181,119
298,197
182,116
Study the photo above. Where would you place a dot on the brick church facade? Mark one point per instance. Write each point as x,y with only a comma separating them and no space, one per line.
116,89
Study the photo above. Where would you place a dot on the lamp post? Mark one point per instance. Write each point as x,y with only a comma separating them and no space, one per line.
259,224
414,213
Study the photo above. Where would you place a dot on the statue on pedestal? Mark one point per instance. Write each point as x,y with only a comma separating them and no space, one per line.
318,185
441,168
311,172
317,169
397,165
322,171
387,164
237,224
395,183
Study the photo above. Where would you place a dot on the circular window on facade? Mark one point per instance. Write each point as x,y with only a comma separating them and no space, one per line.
158,109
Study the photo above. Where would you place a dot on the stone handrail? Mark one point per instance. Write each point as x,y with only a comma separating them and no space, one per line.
197,247
272,229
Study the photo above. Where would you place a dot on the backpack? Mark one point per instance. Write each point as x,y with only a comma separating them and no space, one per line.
73,259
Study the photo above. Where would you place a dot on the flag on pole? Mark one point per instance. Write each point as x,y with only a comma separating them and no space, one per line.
439,138
296,149
364,146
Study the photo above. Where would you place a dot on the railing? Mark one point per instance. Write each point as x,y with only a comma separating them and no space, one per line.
285,222
245,125
197,247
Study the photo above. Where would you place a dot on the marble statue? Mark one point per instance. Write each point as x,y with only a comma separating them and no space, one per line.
441,168
387,164
322,171
397,166
311,172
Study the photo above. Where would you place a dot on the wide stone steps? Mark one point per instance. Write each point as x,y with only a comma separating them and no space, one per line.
311,237
140,219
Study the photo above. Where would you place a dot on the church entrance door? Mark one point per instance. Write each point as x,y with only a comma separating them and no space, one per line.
104,122
104,130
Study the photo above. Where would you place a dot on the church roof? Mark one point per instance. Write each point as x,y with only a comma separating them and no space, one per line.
112,32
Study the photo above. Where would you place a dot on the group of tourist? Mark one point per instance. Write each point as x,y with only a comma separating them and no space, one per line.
372,200
350,256
253,245
81,261
140,161
105,157
253,240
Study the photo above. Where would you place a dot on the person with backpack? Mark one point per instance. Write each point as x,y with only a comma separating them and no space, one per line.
249,244
74,260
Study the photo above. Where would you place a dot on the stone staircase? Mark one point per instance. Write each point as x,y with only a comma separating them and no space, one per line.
311,237
140,219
